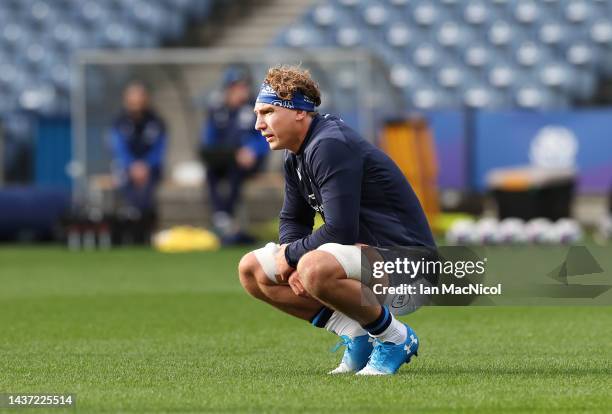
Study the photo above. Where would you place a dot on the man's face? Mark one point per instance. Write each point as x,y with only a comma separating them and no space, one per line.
135,99
237,94
278,125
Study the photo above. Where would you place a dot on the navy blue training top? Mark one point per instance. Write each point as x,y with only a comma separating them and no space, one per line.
361,194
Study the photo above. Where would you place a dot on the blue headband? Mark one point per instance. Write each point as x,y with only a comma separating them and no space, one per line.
298,100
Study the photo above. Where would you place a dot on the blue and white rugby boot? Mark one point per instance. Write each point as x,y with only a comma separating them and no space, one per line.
386,358
356,354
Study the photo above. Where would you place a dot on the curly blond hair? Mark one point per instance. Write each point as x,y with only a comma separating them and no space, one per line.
287,80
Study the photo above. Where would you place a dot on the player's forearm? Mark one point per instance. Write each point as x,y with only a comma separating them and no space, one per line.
290,231
347,235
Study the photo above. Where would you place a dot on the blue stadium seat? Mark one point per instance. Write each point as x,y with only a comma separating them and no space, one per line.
166,22
349,36
403,76
477,12
424,97
60,74
302,36
39,54
325,15
70,35
478,55
535,96
600,31
427,13
426,55
94,12
556,75
39,97
375,15
552,33
526,12
13,76
581,54
478,95
16,35
119,34
504,75
452,75
530,54
454,35
502,33
578,11
400,35
38,11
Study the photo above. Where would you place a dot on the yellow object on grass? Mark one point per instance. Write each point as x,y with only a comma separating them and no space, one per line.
185,239
445,221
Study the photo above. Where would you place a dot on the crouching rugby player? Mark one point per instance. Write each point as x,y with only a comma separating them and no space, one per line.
363,198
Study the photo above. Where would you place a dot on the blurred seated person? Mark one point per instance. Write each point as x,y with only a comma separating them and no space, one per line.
232,150
138,142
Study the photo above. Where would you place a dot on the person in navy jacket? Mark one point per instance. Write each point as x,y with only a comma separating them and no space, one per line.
231,149
138,143
363,198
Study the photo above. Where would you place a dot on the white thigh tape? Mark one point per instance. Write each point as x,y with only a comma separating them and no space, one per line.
266,256
349,258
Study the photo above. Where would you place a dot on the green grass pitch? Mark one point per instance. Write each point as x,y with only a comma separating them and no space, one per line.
138,331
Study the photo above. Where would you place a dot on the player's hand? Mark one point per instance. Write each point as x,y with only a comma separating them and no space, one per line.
296,285
282,267
246,158
139,173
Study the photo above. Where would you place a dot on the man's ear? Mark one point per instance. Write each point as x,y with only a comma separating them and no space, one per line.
299,115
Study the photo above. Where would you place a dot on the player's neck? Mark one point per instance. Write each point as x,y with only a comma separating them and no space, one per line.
302,134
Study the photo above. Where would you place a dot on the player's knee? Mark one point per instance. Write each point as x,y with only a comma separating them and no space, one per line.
247,270
316,269
250,271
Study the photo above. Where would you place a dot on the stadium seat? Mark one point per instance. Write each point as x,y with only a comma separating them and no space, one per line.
578,11
552,33
503,75
13,76
426,13
557,75
302,36
530,54
324,15
526,12
501,33
426,55
375,14
400,35
478,55
478,95
403,76
428,97
349,36
477,13
581,54
534,96
451,76
453,35
70,35
600,32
